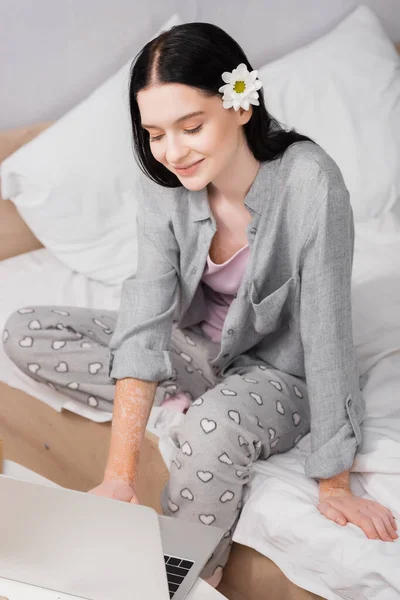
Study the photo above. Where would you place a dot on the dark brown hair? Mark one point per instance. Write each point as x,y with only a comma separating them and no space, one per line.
196,54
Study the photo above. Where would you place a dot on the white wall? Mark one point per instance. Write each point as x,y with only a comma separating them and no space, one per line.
54,52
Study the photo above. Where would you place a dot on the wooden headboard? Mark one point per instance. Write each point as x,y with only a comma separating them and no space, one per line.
15,236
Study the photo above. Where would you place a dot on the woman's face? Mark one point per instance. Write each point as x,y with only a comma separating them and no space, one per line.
177,140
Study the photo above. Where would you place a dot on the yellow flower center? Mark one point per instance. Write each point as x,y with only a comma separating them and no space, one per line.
239,87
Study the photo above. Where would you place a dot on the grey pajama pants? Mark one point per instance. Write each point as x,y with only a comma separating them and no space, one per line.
252,412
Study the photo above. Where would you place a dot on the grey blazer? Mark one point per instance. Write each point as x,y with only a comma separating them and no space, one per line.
293,307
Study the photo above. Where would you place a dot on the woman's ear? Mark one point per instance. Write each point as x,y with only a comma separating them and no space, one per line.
245,115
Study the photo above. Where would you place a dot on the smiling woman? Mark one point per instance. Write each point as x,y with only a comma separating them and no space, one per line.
299,275
178,119
284,363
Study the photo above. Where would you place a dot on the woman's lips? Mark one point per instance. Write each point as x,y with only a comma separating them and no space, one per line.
189,170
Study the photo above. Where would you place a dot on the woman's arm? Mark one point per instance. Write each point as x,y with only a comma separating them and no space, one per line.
336,402
338,503
334,485
132,404
139,352
139,346
133,400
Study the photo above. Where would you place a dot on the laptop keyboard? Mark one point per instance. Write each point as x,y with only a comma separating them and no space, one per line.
177,569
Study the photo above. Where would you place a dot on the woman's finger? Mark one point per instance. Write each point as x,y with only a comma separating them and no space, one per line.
368,527
392,520
380,528
332,513
389,527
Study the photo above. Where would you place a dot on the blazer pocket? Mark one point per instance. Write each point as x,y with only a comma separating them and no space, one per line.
272,311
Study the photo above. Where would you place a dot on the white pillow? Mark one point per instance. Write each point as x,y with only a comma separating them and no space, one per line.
74,184
376,289
343,91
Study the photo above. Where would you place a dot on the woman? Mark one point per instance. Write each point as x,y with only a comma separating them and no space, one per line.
242,298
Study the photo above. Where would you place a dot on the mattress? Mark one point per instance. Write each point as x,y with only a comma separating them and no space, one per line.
280,518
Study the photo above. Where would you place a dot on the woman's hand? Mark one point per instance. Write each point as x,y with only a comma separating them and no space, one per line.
375,520
117,489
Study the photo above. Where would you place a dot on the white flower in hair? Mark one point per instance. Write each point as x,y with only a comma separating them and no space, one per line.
241,88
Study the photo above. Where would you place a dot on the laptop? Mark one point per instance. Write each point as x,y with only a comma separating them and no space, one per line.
98,548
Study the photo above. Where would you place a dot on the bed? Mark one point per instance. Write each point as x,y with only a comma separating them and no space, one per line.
283,548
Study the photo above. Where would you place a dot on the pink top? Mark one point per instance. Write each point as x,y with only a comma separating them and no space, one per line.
221,283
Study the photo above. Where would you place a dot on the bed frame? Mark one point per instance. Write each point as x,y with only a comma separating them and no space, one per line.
72,451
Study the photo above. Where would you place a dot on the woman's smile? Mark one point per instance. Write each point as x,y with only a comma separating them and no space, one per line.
189,170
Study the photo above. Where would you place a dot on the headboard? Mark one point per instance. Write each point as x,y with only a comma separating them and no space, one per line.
15,236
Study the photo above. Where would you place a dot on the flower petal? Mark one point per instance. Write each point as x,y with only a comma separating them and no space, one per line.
226,76
253,75
236,103
241,70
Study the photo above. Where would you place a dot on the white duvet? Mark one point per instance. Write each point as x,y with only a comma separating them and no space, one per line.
280,518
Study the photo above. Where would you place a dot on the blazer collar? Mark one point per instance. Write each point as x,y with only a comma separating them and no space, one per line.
257,197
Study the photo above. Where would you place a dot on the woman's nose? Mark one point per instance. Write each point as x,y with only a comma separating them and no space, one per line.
175,152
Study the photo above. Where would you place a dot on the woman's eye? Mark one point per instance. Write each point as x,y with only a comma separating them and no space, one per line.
193,130
190,131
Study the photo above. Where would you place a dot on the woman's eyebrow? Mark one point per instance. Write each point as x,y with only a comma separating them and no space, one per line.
192,114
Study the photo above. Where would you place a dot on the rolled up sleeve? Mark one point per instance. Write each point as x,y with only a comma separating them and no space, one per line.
336,402
139,344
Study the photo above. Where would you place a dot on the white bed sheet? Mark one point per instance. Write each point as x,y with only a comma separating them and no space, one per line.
280,518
